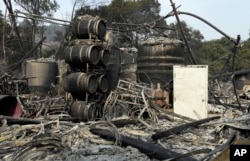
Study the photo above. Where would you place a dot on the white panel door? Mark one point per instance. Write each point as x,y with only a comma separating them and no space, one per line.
191,91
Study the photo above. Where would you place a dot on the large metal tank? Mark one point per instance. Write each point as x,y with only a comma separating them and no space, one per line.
40,75
156,57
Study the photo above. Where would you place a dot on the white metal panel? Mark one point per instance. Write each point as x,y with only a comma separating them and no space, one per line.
191,91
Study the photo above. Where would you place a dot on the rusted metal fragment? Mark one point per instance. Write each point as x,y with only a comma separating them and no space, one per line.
151,150
178,129
10,106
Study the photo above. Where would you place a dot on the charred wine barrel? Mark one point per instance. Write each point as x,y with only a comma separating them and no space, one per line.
103,84
156,58
80,83
86,25
104,54
84,112
81,54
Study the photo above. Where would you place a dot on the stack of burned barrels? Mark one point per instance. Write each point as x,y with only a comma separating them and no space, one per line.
87,57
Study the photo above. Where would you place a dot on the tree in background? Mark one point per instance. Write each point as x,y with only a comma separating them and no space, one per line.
5,28
218,54
193,36
24,34
40,8
136,19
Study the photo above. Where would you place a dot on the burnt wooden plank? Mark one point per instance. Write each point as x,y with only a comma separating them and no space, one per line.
178,129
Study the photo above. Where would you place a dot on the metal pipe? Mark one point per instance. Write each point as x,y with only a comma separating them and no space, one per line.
182,32
211,25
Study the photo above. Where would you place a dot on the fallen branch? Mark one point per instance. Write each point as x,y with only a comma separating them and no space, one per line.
178,129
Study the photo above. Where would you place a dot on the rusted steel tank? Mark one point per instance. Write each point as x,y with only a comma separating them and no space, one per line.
80,82
79,55
40,74
84,112
86,26
156,57
9,106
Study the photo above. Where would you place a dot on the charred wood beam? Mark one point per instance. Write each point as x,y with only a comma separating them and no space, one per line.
10,120
151,150
118,123
22,121
124,122
15,120
178,129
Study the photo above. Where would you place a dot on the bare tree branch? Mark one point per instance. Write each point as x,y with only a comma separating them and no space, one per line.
4,25
13,21
22,6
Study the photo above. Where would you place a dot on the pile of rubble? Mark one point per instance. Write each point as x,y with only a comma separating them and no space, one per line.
133,128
